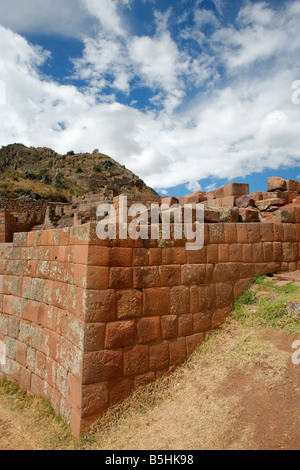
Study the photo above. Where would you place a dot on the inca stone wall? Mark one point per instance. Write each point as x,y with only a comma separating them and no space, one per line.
85,321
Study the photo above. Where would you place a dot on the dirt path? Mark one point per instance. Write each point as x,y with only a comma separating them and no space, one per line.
13,435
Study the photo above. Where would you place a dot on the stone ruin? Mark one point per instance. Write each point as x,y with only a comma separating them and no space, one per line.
85,321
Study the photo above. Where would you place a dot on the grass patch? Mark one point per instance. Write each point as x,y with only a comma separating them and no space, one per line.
269,310
37,416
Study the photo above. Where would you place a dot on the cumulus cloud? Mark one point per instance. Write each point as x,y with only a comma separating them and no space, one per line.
67,18
245,122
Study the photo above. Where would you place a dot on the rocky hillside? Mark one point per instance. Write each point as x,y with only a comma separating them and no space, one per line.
42,173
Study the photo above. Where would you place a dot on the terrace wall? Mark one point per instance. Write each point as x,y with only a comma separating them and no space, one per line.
86,321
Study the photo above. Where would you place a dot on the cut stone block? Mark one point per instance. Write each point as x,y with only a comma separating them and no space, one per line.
249,215
276,184
264,205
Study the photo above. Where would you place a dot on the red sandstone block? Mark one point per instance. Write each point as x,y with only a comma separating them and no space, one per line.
262,269
185,325
36,388
94,337
97,277
159,356
277,251
40,365
207,298
247,271
202,322
241,285
80,275
177,351
292,267
170,275
49,344
140,257
74,393
216,233
242,233
224,295
144,277
119,390
219,316
80,254
231,233
247,253
197,256
295,252
99,306
278,233
21,354
144,379
120,334
149,330
268,252
289,232
194,299
258,253
80,235
267,232
253,230
226,272
235,253
157,301
121,278
298,232
169,327
120,257
193,274
212,254
136,360
180,300
102,366
193,342
223,253
297,214
25,379
155,256
129,304
287,252
174,256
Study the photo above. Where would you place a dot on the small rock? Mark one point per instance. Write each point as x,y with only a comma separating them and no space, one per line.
261,294
245,201
293,308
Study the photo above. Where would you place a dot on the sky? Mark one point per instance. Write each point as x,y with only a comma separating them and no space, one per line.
188,94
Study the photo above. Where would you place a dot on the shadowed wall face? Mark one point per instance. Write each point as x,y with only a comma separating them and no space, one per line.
85,321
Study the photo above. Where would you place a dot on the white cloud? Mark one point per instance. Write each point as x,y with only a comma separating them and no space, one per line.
64,18
194,186
229,131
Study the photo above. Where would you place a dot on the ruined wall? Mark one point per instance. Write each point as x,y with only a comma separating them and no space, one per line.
41,320
85,321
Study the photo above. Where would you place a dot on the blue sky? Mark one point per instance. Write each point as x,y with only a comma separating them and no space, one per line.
188,94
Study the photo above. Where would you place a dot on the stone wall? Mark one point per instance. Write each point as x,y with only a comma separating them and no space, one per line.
41,318
85,321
